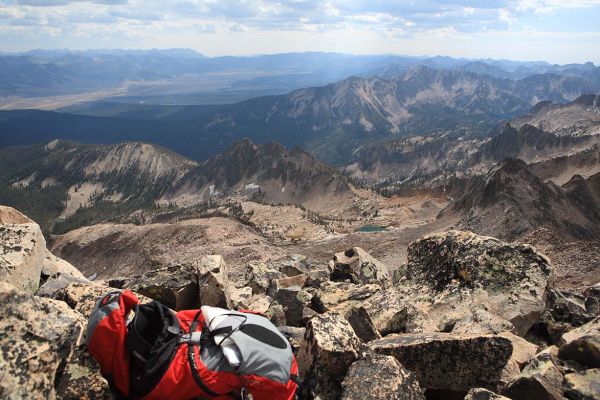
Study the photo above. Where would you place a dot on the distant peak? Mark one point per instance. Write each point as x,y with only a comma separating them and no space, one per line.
541,105
512,165
244,143
417,71
588,100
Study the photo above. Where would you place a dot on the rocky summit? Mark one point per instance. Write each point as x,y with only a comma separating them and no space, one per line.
467,316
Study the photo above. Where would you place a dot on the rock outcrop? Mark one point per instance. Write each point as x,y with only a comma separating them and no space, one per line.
83,297
359,266
186,286
175,286
330,347
483,394
22,250
507,281
41,356
540,379
213,282
583,345
444,361
377,377
456,320
583,386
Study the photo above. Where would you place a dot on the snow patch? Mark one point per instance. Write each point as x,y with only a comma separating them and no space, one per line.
252,186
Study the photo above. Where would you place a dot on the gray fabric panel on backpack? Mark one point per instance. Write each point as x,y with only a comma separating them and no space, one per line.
258,357
212,357
101,312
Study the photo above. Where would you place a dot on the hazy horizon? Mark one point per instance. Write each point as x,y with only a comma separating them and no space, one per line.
200,53
523,30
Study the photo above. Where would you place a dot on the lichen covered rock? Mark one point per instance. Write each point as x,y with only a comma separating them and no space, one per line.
393,313
259,276
585,350
213,283
186,286
583,386
81,379
293,299
360,267
540,379
378,377
57,282
483,394
83,297
40,357
510,281
443,361
175,286
342,296
22,250
363,326
330,347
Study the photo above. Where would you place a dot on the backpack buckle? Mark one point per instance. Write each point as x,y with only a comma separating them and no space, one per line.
193,338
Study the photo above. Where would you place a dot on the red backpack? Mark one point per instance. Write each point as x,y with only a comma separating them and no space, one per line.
160,354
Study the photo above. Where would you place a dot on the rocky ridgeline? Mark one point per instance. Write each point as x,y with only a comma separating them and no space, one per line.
467,317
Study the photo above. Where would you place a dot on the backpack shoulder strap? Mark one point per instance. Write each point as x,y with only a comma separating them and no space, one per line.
192,359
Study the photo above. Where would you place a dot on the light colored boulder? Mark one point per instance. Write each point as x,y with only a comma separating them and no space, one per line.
393,313
41,354
465,273
54,265
22,250
483,394
540,379
582,344
83,297
213,282
342,296
523,351
330,347
359,266
241,298
259,276
57,282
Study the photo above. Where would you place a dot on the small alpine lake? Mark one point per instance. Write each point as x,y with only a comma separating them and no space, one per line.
371,228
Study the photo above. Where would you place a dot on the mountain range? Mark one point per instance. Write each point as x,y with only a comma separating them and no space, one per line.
549,135
331,121
45,72
509,201
66,184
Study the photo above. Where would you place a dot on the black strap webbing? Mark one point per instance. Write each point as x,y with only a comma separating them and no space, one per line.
192,361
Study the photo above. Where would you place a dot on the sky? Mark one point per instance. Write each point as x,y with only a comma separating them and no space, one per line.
551,30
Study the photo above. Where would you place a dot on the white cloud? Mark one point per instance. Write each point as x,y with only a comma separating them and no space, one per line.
259,26
547,7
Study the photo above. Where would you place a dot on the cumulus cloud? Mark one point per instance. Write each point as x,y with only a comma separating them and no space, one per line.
269,19
421,16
